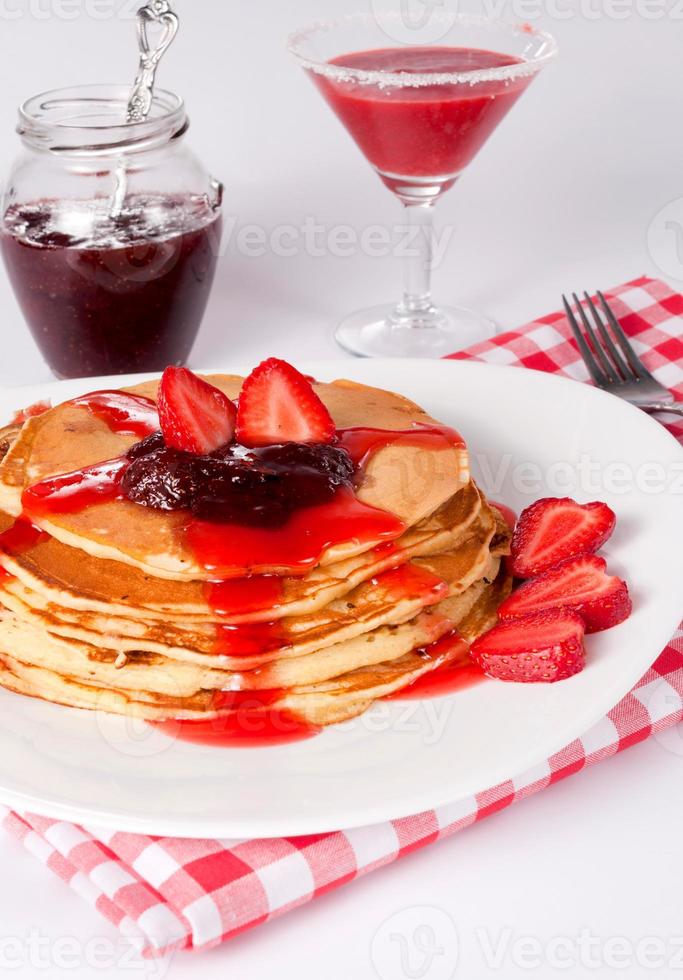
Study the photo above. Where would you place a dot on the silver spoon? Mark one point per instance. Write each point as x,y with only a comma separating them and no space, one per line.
157,12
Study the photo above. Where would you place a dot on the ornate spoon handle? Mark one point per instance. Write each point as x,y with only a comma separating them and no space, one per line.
157,12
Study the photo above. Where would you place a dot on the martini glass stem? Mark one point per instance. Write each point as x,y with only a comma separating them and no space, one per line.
416,304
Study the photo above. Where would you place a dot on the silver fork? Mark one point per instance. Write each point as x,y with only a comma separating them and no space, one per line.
611,360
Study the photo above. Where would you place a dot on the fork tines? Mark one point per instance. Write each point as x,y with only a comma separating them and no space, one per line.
607,362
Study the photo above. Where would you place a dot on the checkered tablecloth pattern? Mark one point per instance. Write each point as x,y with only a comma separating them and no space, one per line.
167,893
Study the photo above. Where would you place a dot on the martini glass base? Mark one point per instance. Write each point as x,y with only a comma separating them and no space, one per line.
384,331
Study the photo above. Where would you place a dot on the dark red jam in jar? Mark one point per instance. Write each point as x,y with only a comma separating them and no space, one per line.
111,239
125,296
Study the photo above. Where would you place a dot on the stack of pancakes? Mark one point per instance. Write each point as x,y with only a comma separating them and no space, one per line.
109,609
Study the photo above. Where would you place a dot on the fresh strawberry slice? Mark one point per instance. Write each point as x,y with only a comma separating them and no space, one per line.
580,584
556,528
277,404
545,647
195,417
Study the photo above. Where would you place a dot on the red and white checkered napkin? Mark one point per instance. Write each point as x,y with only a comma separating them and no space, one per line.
169,893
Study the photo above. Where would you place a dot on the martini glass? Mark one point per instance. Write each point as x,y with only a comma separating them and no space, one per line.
419,113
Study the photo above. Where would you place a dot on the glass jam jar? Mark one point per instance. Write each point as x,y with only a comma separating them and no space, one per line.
110,231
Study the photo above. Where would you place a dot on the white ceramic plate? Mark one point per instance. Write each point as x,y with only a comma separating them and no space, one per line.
530,435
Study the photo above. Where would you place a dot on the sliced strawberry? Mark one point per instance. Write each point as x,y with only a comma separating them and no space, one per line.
545,647
556,528
580,584
195,417
277,404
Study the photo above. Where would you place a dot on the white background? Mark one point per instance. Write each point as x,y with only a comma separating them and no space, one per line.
561,198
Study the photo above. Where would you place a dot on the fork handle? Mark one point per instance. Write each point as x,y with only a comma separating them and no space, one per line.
675,408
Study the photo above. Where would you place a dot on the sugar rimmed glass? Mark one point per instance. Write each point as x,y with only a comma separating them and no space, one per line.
419,129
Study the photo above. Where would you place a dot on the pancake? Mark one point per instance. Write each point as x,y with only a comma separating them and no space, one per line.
390,597
370,605
74,579
161,674
108,607
409,482
319,703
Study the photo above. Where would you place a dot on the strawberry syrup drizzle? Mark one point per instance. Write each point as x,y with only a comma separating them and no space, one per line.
361,442
386,549
72,492
242,729
412,581
248,719
227,549
126,414
242,596
68,493
454,675
508,513
248,639
30,412
20,537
